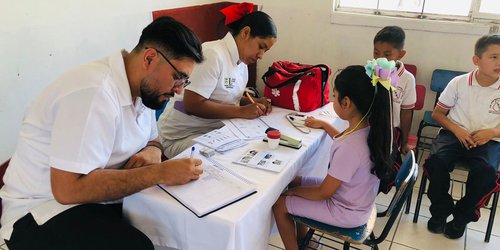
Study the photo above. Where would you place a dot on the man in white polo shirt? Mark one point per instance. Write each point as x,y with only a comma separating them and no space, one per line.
471,133
90,138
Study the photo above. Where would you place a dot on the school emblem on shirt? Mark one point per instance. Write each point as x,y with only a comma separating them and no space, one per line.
495,106
229,82
397,94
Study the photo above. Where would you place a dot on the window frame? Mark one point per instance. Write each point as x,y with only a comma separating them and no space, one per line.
474,15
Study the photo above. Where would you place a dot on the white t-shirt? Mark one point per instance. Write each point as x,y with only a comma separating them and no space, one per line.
472,106
221,78
405,95
85,120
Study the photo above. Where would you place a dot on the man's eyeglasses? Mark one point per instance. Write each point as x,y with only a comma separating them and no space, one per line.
182,79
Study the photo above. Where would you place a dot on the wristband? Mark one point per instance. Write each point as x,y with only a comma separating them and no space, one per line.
155,144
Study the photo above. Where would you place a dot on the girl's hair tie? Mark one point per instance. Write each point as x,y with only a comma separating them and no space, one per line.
237,11
382,71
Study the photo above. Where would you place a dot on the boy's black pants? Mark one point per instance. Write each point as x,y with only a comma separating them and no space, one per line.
482,162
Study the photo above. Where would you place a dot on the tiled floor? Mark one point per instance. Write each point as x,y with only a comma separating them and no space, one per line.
407,235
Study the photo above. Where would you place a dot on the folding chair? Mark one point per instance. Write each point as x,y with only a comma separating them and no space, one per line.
459,166
405,180
440,78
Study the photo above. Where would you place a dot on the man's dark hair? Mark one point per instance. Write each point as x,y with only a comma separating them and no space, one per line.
394,35
171,37
483,43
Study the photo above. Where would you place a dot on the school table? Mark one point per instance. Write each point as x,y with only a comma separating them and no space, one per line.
245,224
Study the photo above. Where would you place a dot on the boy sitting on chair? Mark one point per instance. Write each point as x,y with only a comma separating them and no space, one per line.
471,134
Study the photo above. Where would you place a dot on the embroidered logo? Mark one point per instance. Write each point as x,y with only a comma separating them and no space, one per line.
229,82
495,106
397,94
275,92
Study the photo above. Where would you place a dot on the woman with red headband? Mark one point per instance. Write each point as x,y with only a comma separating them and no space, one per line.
218,84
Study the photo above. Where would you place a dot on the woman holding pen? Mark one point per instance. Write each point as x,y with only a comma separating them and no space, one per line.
218,84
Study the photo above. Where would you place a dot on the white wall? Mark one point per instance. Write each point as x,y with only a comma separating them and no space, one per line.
41,39
307,35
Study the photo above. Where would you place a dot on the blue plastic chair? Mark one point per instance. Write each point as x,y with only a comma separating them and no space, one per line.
439,81
405,180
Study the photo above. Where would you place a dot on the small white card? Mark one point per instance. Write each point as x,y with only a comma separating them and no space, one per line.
267,160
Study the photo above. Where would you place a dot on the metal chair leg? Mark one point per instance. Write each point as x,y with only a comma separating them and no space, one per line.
492,217
408,203
347,245
305,242
421,191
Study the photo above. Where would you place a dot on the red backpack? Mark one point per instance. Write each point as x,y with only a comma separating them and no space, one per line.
297,86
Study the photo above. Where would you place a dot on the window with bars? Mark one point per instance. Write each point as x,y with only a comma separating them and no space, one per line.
460,10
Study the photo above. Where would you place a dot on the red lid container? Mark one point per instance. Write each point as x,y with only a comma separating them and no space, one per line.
274,134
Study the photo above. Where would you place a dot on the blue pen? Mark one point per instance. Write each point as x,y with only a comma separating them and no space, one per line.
192,152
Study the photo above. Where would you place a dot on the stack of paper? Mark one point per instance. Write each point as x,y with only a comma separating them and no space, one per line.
221,140
247,129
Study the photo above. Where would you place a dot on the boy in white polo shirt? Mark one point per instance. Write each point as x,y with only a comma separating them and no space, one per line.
471,133
389,43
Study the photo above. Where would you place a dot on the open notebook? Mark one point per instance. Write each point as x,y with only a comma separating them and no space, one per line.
216,188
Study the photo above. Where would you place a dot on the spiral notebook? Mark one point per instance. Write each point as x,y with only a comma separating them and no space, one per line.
216,188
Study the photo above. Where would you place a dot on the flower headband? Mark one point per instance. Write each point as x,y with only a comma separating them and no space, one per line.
382,71
235,12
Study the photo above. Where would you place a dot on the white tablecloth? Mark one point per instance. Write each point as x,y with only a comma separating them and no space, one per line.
245,224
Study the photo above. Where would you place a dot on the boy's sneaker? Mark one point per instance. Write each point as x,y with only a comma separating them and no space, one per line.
436,225
454,230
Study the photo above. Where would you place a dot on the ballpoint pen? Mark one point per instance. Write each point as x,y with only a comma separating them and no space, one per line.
192,152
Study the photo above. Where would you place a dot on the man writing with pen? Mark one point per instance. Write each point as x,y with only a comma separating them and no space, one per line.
90,139
218,84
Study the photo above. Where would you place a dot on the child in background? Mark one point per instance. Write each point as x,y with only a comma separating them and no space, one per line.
389,43
360,155
469,112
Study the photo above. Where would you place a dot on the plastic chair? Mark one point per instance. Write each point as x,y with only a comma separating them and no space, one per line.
405,180
419,105
440,78
412,138
459,166
412,69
